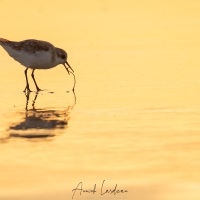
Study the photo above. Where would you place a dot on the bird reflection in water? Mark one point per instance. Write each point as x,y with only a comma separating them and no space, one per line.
40,123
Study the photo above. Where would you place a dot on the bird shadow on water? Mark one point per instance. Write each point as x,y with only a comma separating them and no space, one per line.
38,124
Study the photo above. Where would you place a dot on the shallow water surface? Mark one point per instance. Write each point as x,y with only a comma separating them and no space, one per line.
133,118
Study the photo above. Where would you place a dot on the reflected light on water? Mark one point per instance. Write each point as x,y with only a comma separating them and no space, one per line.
39,123
136,120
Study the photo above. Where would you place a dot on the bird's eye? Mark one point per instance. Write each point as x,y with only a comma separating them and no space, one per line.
63,56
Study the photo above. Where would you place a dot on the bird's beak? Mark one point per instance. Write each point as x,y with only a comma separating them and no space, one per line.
68,66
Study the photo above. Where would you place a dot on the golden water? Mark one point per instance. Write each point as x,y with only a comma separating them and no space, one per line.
134,117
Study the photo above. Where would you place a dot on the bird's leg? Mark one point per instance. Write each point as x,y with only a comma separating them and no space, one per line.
27,85
38,89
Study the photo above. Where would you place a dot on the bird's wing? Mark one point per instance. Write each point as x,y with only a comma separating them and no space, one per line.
32,46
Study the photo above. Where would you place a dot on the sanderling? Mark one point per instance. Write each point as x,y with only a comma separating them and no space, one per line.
35,54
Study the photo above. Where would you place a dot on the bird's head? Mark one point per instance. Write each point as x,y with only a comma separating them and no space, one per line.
62,58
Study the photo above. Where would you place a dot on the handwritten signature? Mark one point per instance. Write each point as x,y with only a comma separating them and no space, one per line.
79,189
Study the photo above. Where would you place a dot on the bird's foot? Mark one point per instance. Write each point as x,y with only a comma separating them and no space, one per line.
27,89
38,89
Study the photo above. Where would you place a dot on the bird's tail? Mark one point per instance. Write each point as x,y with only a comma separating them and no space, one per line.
2,40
